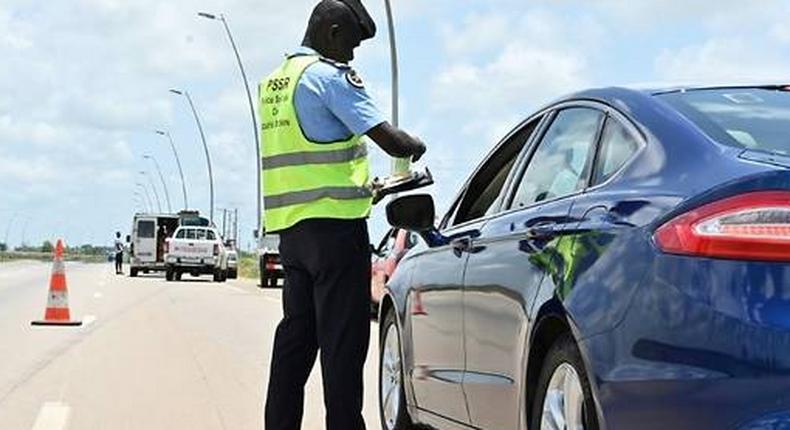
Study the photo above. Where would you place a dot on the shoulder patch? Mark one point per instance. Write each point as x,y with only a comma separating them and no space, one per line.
353,78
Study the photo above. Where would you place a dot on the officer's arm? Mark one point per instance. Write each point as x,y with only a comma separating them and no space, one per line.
395,142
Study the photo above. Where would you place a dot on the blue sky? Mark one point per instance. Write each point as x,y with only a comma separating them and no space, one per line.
84,83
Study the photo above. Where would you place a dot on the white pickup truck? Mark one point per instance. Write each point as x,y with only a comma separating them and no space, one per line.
198,251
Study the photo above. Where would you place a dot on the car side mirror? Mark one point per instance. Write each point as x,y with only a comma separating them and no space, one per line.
414,212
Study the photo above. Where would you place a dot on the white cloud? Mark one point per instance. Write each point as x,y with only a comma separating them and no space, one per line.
722,60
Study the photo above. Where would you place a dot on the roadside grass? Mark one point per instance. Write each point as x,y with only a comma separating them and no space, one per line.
248,267
47,256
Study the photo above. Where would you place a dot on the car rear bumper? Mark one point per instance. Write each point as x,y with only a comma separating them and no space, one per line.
705,344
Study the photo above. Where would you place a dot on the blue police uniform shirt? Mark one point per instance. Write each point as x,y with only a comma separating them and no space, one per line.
329,107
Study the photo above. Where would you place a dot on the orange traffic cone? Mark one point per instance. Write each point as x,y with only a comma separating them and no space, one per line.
57,313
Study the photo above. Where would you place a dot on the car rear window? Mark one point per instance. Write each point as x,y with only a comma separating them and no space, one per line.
748,118
145,229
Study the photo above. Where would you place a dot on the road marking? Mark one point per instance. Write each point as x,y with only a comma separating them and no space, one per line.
97,295
88,320
52,416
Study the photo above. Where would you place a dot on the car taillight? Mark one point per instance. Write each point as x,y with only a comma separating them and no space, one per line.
752,226
216,249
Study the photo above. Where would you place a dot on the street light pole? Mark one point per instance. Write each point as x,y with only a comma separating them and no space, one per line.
400,166
258,196
147,196
153,187
205,147
178,162
145,200
8,230
161,178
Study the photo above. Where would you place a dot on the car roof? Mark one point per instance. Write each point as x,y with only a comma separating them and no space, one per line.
653,89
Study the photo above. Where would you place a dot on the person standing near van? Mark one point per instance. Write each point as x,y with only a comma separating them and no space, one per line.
118,254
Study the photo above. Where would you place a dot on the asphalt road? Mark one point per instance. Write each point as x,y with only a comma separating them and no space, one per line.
152,355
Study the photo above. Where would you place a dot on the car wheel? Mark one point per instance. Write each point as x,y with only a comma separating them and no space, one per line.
217,275
178,275
132,273
392,400
563,399
169,274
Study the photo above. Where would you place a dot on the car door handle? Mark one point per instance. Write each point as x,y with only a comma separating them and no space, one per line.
541,232
461,244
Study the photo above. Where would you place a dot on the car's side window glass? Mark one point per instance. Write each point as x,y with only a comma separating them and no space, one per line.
181,234
484,192
191,233
617,147
210,235
561,163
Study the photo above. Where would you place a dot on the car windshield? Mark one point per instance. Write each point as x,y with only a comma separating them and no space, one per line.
749,118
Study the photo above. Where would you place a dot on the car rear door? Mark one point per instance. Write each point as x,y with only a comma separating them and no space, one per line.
145,244
511,258
435,299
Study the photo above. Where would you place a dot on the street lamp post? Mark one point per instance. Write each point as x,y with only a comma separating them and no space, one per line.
258,196
178,162
162,179
141,198
147,196
8,230
153,187
205,147
399,165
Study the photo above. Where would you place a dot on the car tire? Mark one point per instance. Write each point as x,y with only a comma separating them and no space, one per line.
392,410
563,377
132,273
233,274
262,272
169,274
178,274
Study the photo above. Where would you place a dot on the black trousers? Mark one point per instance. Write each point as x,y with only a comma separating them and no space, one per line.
118,262
326,304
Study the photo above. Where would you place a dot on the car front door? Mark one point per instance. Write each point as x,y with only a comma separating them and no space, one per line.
511,258
435,300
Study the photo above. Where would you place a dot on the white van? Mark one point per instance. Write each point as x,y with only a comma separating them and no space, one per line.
147,251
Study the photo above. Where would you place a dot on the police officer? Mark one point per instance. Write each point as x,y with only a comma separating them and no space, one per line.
314,112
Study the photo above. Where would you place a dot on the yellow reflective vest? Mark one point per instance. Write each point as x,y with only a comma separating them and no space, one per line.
304,179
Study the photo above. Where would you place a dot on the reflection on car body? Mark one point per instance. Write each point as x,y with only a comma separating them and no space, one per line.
620,260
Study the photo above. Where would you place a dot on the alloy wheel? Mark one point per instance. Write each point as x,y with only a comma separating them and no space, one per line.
563,407
391,382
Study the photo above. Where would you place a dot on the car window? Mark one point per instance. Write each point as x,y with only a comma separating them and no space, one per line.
210,235
145,229
617,147
201,234
747,118
191,233
561,163
484,192
181,234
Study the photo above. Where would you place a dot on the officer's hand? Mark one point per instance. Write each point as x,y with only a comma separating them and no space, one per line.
419,149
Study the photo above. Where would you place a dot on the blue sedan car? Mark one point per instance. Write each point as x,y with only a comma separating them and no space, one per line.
621,260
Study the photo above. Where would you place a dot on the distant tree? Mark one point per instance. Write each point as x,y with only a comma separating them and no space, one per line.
47,246
3,247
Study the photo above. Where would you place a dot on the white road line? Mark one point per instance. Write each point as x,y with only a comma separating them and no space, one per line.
88,320
52,416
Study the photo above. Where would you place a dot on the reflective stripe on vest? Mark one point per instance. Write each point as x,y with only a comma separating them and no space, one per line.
304,179
305,158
